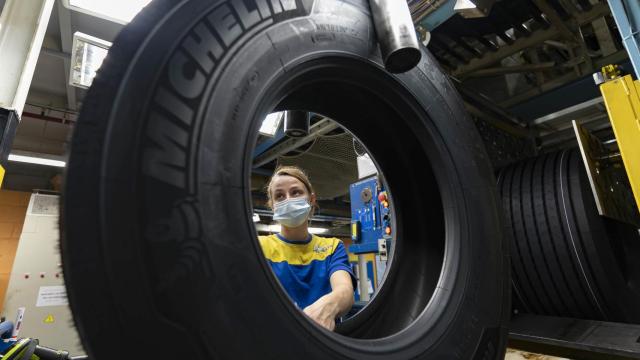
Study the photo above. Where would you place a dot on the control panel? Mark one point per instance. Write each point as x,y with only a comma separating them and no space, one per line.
371,228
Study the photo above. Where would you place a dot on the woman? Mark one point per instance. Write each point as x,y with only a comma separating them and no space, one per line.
314,270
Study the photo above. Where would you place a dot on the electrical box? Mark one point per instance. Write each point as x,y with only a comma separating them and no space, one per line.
370,217
36,286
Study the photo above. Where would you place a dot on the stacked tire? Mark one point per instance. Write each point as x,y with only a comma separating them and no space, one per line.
567,260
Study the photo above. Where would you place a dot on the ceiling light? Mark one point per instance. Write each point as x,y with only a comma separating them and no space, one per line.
120,11
470,9
312,230
463,5
271,124
317,230
87,56
36,160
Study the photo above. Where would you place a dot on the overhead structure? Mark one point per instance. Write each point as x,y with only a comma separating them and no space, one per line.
627,16
22,27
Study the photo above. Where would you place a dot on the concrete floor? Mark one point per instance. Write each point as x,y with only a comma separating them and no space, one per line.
521,355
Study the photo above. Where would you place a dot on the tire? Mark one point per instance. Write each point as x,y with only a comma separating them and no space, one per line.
157,235
566,259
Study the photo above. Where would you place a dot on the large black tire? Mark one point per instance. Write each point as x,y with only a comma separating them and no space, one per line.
566,259
157,240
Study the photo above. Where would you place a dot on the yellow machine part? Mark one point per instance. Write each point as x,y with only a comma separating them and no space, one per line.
1,175
622,98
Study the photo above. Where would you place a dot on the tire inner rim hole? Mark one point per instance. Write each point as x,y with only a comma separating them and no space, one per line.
348,119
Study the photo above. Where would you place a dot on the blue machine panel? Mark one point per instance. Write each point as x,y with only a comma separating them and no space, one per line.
370,217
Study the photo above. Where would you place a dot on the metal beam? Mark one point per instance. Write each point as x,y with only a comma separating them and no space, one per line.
568,111
561,80
558,81
511,69
574,338
597,11
566,133
326,157
23,24
604,36
55,53
555,19
535,59
66,37
566,31
477,99
506,51
627,16
500,124
569,7
320,128
535,38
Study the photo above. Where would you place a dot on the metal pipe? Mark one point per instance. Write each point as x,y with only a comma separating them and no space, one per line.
296,123
396,35
609,156
363,277
557,44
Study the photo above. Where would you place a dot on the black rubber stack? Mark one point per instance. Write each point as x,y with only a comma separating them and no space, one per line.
566,259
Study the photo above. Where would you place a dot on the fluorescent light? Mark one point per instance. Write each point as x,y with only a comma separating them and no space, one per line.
36,160
121,11
312,230
87,55
271,123
464,4
256,218
316,230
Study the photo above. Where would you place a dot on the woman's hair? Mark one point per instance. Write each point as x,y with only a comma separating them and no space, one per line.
292,171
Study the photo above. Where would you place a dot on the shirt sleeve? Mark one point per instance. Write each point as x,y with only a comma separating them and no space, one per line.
340,261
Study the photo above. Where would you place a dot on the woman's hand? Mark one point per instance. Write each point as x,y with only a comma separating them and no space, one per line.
336,303
324,311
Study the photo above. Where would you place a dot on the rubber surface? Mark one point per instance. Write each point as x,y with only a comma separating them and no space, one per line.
157,237
567,260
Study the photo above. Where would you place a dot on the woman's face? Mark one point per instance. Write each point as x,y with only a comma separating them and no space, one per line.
288,187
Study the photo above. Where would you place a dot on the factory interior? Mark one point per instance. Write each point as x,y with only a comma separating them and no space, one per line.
319,179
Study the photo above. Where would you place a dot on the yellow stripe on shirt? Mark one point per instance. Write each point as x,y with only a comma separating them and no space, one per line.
318,248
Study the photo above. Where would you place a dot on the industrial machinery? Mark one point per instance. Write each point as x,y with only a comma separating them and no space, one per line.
14,348
622,97
575,227
371,230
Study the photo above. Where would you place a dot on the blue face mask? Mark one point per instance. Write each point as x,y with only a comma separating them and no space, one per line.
292,212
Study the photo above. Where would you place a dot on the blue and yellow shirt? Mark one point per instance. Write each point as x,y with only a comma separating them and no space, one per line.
305,267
